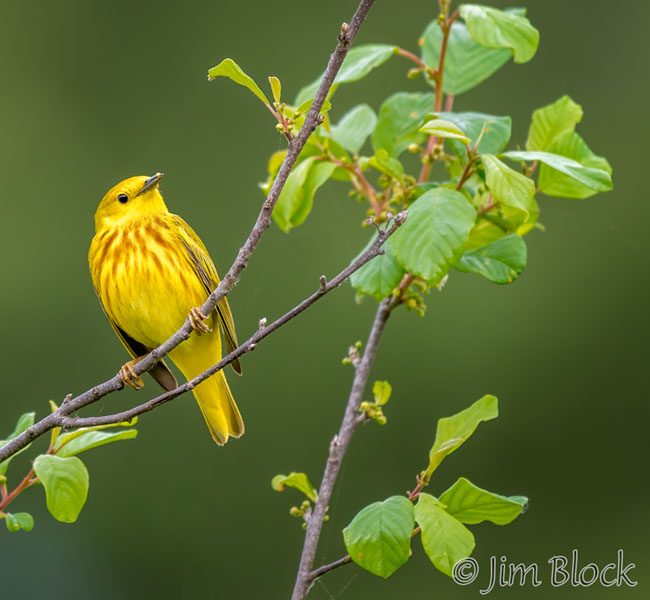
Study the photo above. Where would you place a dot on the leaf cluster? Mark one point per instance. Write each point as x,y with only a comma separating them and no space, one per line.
59,470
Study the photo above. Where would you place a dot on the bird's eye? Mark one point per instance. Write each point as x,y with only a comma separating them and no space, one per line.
123,198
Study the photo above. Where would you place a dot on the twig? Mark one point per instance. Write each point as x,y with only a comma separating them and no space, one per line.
316,573
445,26
338,448
312,120
247,346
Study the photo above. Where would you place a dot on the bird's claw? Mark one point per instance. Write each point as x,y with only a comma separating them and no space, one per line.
130,377
198,321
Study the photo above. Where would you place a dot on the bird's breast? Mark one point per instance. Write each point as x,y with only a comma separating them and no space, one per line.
144,280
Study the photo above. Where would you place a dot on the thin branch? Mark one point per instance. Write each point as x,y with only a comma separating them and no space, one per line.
338,449
445,26
316,573
247,346
312,120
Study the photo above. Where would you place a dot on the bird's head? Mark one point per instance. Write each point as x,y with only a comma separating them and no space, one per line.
132,199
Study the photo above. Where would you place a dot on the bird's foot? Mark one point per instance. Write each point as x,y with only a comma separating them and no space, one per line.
198,321
130,377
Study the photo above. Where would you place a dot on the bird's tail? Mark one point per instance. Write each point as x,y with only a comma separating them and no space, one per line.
219,408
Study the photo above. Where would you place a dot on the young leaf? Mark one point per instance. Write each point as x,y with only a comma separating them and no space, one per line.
551,122
379,537
445,539
385,164
598,180
91,439
66,485
276,89
378,277
381,392
555,183
494,28
501,261
453,431
467,64
445,129
400,118
496,131
297,481
25,421
360,61
17,521
230,69
508,187
433,237
353,129
470,504
297,196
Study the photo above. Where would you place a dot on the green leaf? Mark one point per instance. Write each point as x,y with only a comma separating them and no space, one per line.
467,64
501,261
470,504
230,69
400,118
66,485
384,164
297,481
434,235
379,537
297,196
360,61
508,187
445,539
67,446
555,183
494,28
379,276
25,421
453,431
381,392
552,122
598,180
445,129
17,521
353,129
495,137
276,89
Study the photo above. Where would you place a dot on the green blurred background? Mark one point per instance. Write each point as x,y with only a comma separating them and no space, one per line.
95,92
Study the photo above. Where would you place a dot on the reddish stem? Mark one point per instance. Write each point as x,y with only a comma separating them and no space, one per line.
445,26
27,481
417,60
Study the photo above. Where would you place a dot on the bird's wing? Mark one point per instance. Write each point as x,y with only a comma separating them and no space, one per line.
205,270
160,371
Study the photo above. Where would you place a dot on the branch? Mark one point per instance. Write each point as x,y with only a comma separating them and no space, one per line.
316,573
445,25
338,449
249,345
313,119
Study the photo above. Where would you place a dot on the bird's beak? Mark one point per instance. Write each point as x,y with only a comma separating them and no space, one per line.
150,183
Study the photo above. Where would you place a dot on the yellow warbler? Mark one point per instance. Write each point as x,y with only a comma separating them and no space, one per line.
150,271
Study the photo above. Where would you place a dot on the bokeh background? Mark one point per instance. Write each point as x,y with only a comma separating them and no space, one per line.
95,92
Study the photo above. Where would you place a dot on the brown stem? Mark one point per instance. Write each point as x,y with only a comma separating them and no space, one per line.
360,182
316,573
417,60
338,449
23,485
445,26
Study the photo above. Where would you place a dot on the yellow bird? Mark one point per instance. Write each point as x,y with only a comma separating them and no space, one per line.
151,271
